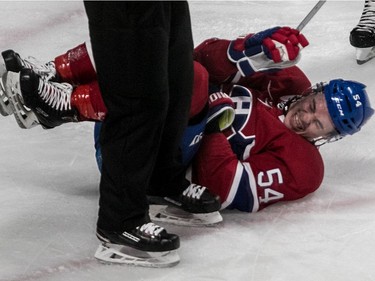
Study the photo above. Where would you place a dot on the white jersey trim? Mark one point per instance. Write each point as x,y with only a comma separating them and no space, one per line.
234,186
253,186
241,168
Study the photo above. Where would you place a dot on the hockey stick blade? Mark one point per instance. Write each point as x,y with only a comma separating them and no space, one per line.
311,14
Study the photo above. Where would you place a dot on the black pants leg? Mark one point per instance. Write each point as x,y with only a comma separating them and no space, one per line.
144,66
169,174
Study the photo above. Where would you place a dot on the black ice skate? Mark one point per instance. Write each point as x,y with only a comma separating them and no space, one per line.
49,101
196,206
11,61
147,245
362,37
11,101
197,199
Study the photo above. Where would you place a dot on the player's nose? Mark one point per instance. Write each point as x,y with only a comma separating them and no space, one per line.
306,118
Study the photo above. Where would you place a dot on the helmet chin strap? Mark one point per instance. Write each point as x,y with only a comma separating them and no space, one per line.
285,105
323,140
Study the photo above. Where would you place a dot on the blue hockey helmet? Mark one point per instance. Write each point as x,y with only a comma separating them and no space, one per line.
348,105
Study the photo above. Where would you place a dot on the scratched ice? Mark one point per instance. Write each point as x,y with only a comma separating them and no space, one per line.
49,180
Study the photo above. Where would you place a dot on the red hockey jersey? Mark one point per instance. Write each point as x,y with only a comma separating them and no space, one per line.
258,161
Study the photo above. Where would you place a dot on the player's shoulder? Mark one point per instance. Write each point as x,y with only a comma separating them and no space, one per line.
306,163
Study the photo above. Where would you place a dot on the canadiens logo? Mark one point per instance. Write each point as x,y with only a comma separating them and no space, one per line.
242,99
241,139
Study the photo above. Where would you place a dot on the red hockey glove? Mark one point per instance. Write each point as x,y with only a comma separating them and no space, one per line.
274,48
221,112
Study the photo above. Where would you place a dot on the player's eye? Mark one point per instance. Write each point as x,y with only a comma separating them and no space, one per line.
319,125
313,106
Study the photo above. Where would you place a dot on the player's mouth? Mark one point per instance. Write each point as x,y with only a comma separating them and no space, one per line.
297,124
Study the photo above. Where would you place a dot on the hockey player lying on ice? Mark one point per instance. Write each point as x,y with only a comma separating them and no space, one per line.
263,152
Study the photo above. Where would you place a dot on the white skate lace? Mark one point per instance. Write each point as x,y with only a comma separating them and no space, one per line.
367,21
57,95
194,191
47,70
151,229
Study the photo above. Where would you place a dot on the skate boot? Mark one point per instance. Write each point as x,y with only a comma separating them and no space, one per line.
362,37
197,199
11,61
49,101
147,245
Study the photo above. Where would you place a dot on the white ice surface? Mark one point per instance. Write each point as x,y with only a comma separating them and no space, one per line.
49,179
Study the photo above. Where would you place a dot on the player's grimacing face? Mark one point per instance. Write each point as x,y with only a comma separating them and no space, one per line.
309,117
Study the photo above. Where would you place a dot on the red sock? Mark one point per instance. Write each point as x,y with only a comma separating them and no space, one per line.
75,66
87,99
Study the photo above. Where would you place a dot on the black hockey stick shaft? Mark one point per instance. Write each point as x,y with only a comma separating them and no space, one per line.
310,15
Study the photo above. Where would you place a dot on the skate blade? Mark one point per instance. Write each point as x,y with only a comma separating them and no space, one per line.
117,254
5,104
25,118
364,54
173,215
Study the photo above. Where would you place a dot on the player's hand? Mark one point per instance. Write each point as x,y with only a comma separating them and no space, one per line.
274,48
